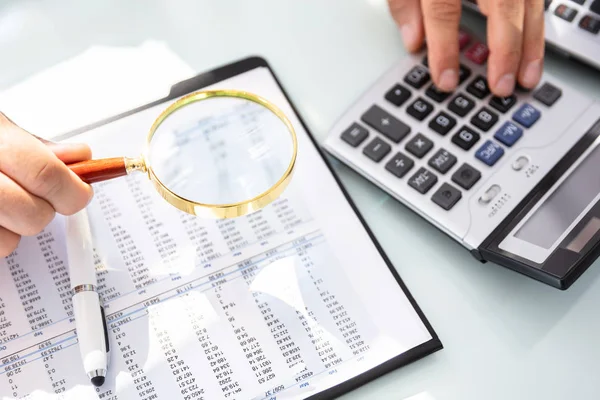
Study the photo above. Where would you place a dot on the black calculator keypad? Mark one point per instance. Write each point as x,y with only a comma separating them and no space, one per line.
398,95
419,145
420,109
469,112
377,149
479,87
417,77
379,119
466,176
422,180
399,165
446,196
503,104
434,93
465,138
442,123
355,135
461,105
484,119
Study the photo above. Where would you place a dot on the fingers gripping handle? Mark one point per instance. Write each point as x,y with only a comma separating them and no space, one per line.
93,171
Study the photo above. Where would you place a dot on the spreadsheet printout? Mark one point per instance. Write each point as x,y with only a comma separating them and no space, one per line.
280,304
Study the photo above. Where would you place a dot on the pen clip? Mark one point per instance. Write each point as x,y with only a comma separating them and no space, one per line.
106,341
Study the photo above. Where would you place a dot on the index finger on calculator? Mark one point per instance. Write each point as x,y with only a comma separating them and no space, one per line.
505,39
32,165
530,70
442,19
407,14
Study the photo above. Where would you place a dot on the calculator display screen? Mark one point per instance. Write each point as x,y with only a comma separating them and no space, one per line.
546,225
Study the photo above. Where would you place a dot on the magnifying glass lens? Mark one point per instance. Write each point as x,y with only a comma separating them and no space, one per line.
222,150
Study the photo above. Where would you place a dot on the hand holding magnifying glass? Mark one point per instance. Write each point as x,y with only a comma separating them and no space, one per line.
221,153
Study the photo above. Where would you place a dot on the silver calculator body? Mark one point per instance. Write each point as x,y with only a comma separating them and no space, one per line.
525,194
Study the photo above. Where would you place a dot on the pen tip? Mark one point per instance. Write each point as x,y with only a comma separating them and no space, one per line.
98,381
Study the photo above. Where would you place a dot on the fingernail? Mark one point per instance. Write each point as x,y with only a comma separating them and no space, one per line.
408,35
448,80
533,72
506,85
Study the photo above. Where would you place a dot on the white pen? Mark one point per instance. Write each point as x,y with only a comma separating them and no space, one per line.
89,315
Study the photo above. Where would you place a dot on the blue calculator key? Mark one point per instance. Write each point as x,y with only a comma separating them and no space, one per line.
508,133
527,115
489,153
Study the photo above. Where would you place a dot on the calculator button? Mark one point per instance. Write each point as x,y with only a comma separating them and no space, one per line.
420,109
442,123
399,165
508,134
527,115
417,77
397,95
580,2
503,104
595,6
377,149
520,163
422,180
465,138
478,53
436,94
566,13
384,122
547,94
463,74
461,105
489,194
590,24
547,4
446,196
463,39
489,153
426,61
355,135
442,161
419,145
479,87
484,119
466,176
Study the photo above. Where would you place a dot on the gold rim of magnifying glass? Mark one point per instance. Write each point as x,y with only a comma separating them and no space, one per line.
230,210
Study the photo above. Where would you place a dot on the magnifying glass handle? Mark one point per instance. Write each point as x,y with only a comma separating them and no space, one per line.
93,171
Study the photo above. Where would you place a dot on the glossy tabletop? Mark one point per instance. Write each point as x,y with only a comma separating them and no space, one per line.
505,336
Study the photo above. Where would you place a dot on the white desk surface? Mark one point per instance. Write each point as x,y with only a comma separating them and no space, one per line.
505,336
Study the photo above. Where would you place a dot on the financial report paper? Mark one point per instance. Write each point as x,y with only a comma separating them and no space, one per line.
280,304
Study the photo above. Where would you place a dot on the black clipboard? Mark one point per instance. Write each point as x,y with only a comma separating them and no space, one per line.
239,67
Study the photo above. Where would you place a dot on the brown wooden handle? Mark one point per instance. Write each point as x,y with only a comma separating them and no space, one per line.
93,171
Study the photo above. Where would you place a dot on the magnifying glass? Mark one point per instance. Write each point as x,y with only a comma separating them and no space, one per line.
218,154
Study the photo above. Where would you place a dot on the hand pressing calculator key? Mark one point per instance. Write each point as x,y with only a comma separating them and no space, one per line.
514,180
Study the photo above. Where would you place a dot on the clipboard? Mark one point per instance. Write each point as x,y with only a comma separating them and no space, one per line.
236,69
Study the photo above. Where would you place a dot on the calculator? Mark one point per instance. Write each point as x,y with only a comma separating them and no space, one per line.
572,27
515,180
